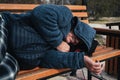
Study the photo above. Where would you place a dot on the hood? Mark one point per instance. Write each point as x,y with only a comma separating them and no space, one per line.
85,32
59,15
65,16
64,19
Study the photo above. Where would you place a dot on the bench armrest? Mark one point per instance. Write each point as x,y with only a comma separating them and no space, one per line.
107,32
110,25
113,24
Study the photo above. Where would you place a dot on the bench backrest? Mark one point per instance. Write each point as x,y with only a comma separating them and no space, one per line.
77,10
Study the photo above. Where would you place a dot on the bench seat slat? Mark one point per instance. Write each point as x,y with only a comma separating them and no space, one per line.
40,73
106,55
108,49
85,21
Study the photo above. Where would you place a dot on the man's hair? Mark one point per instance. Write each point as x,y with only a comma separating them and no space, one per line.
73,23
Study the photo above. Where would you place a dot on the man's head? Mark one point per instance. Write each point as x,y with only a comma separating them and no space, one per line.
72,38
81,34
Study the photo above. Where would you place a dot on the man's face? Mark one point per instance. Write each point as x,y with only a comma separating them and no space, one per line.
71,38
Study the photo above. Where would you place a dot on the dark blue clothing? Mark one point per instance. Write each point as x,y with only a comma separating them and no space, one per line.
24,43
52,22
57,59
34,36
8,64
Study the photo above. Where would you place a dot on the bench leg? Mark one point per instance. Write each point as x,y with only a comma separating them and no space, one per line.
118,68
96,76
89,75
73,73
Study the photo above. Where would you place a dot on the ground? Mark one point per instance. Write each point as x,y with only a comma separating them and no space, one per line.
82,75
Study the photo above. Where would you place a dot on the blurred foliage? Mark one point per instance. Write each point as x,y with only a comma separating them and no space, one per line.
104,8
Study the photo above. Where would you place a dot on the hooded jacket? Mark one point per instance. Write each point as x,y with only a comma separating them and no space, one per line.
42,29
52,22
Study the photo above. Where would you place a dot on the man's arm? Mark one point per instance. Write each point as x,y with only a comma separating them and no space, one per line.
45,23
95,67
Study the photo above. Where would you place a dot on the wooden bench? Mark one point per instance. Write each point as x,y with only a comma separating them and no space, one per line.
101,53
112,64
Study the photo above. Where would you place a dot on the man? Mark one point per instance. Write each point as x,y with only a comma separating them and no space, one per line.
43,37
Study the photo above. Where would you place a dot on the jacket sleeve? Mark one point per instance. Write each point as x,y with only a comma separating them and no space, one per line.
57,59
45,22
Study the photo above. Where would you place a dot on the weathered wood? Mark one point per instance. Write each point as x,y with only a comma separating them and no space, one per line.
107,32
17,7
77,10
26,7
39,73
106,55
113,41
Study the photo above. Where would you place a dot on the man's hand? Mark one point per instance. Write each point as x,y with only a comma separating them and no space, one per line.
95,67
63,47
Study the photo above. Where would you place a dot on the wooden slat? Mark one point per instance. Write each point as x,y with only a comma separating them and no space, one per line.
12,7
106,55
76,7
26,71
115,67
111,65
107,31
107,66
108,41
100,48
104,50
31,6
80,14
113,41
85,21
41,73
117,43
